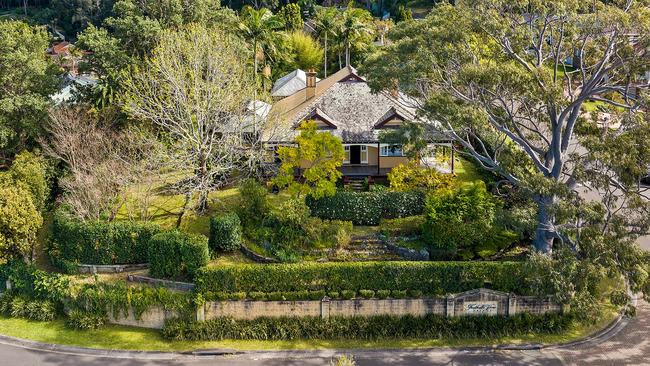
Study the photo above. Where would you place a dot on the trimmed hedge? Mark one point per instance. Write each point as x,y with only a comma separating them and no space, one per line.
97,242
366,328
175,254
431,278
225,232
367,208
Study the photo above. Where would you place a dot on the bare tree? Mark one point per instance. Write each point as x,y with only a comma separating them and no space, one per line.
195,90
99,160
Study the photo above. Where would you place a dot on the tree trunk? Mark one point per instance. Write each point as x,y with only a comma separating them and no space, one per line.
202,205
545,232
326,54
255,62
179,220
347,54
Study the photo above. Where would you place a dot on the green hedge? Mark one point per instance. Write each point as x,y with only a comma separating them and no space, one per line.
225,232
366,328
177,255
97,242
367,208
431,278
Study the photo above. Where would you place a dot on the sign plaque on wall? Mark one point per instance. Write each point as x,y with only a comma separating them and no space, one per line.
480,307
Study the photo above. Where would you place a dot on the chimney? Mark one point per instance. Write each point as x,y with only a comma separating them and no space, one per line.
311,83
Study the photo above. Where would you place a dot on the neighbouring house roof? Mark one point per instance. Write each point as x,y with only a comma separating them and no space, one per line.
345,102
289,84
70,86
61,48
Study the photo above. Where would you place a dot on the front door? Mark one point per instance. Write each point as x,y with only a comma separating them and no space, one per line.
355,154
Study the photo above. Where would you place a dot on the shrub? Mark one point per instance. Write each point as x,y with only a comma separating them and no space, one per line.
414,293
83,320
619,298
347,294
41,310
98,242
253,202
366,328
255,295
367,208
398,294
237,296
367,294
383,294
432,278
176,255
24,307
406,177
225,233
317,295
333,294
459,219
34,283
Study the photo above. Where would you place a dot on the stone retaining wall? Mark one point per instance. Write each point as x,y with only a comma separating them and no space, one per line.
174,285
256,257
407,253
153,318
475,302
110,268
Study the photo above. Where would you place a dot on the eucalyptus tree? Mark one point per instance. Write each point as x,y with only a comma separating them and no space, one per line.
549,95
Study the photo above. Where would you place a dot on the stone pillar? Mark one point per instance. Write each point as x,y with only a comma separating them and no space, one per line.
512,305
325,308
449,308
200,313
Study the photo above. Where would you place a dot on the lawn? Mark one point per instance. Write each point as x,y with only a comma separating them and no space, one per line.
466,171
130,338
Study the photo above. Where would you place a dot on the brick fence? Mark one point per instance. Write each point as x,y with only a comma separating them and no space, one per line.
474,302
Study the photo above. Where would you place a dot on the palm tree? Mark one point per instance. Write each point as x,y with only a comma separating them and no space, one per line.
327,23
355,27
260,28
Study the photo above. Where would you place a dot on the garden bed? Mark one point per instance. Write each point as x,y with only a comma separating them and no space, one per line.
114,337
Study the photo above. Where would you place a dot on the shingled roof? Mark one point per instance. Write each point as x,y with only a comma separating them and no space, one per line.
345,101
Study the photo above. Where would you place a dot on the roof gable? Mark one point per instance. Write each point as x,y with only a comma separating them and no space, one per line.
318,115
391,115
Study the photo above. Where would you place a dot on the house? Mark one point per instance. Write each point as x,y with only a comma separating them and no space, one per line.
344,105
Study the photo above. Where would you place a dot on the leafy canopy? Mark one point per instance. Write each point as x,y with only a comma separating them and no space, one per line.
318,155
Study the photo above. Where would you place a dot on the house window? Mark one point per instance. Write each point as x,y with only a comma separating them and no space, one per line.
364,154
391,150
346,159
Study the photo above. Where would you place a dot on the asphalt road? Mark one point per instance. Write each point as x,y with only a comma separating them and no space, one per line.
630,346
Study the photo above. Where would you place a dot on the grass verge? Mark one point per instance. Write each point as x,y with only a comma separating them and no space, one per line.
130,338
